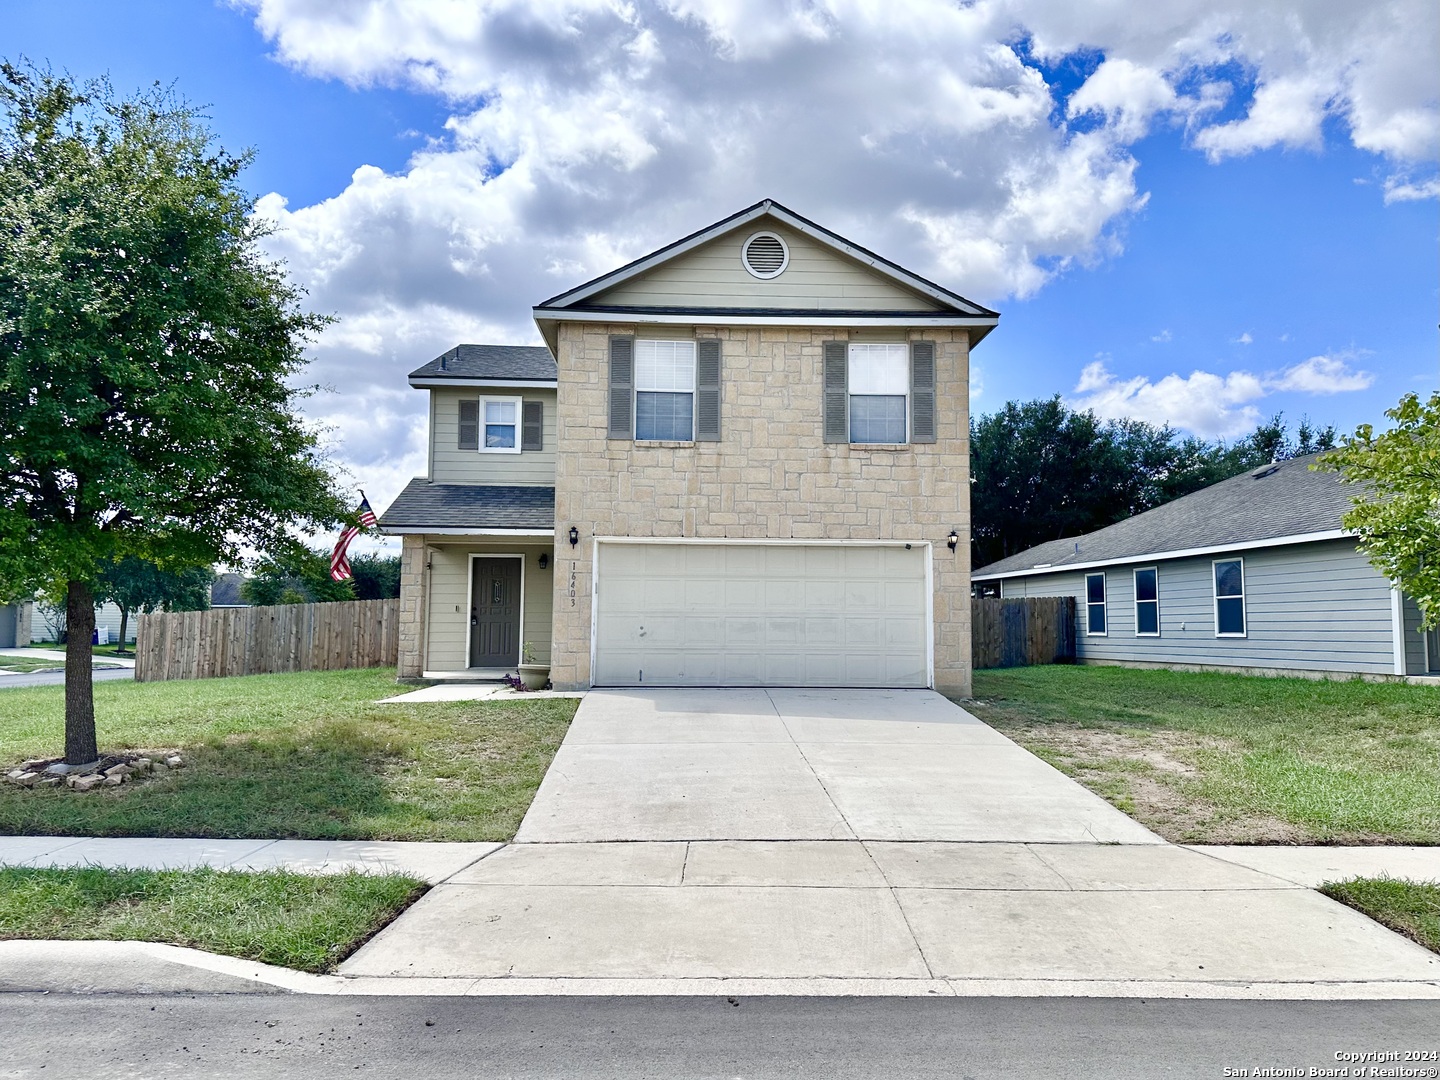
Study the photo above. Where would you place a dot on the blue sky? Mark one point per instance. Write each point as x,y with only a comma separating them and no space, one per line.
1186,212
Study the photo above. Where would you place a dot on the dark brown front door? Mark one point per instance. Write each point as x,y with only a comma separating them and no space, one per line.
494,613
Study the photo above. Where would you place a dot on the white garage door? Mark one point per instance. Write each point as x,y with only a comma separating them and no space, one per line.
702,614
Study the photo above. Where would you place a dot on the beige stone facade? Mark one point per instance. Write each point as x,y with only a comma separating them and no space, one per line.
412,607
771,475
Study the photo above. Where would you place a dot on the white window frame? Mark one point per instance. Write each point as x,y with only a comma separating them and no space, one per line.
850,394
1104,604
519,419
1216,597
638,389
1135,585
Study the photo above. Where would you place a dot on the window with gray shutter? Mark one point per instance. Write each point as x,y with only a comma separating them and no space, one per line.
469,425
532,426
922,391
837,426
707,390
622,387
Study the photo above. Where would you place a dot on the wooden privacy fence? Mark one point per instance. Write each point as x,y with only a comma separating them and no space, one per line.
1021,631
262,640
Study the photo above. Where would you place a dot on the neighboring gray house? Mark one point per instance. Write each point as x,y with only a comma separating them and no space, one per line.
15,623
1253,573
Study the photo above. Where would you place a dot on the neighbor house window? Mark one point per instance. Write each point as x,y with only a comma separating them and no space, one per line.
1147,602
879,381
490,425
665,391
1229,598
1095,603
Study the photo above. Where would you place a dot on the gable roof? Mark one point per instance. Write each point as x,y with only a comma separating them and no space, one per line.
951,308
1287,502
488,363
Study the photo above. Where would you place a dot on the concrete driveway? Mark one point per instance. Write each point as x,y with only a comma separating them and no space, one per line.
805,765
804,841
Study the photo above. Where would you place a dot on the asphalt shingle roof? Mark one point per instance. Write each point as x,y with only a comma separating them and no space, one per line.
1291,500
423,505
490,362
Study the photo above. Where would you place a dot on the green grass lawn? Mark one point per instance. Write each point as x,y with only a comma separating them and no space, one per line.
25,664
304,756
1214,758
309,922
1411,908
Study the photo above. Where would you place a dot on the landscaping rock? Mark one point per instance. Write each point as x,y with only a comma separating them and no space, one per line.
25,779
118,770
141,764
36,764
114,781
15,774
85,783
51,781
174,761
158,769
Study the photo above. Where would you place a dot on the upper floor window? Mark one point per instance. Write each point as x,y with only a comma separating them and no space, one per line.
879,389
500,425
1095,604
1229,597
1147,602
665,390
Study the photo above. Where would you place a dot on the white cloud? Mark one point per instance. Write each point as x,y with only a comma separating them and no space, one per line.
586,132
1322,375
1244,339
1210,405
1162,337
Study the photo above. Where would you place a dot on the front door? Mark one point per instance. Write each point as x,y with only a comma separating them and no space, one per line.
494,612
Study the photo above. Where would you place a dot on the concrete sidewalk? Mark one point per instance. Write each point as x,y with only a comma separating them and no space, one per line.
60,657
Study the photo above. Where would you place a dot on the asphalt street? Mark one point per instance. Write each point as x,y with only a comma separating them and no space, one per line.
95,1037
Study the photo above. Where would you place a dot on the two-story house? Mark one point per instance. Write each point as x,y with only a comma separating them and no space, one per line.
742,460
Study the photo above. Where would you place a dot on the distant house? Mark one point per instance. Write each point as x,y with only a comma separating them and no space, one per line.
15,624
225,591
1253,573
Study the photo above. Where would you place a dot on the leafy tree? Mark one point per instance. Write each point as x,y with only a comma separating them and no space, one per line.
135,585
147,356
296,575
377,577
1396,511
1043,471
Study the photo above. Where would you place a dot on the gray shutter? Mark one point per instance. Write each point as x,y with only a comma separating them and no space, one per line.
532,425
469,425
922,391
622,388
837,381
707,390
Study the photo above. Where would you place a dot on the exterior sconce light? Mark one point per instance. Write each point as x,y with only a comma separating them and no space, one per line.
953,540
544,559
574,536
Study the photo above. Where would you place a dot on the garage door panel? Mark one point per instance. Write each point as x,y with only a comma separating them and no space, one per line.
760,614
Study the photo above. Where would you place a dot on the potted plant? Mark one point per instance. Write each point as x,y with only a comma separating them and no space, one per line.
533,675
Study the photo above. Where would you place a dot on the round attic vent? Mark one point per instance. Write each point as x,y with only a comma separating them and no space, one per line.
765,255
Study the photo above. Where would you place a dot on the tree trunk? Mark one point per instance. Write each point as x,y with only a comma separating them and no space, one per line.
80,747
124,619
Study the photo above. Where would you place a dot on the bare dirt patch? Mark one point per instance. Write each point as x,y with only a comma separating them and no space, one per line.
1147,774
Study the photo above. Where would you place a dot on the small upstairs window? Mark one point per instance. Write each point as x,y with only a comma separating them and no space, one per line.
879,385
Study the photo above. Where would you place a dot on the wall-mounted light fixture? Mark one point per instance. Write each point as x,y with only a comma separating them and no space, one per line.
544,559
574,536
953,540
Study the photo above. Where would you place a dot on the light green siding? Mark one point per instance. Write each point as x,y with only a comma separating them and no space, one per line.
451,465
816,279
449,588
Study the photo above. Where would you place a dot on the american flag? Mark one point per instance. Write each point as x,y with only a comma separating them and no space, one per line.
339,564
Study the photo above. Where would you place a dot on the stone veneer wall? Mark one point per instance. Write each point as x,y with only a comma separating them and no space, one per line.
412,607
770,476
